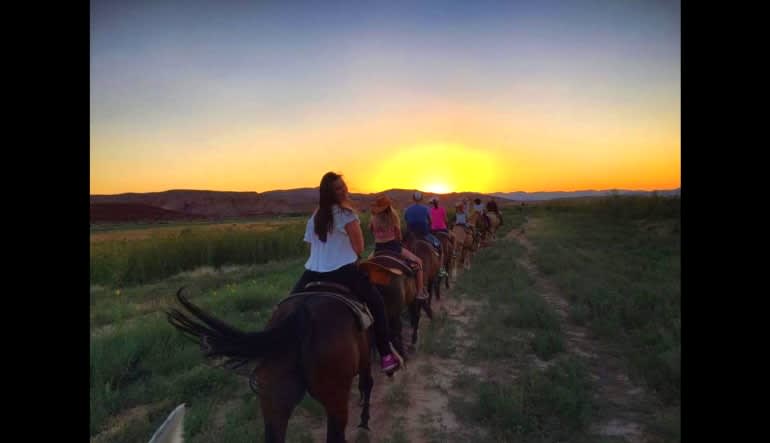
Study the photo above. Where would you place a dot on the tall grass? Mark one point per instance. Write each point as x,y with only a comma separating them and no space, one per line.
123,263
120,263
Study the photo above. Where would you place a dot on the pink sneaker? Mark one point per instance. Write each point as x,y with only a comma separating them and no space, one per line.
389,363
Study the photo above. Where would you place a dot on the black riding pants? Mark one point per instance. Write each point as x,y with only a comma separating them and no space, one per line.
359,284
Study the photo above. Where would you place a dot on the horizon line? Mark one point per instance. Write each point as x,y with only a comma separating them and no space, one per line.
393,189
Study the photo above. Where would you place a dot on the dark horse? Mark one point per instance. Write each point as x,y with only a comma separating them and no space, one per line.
312,344
431,263
395,280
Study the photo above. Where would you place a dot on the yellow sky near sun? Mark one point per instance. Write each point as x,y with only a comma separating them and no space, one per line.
437,148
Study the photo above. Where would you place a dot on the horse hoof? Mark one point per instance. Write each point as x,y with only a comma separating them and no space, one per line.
363,426
428,311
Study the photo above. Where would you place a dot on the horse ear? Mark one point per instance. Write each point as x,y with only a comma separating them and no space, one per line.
171,429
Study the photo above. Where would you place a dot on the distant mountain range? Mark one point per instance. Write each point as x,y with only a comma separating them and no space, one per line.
208,205
539,196
193,204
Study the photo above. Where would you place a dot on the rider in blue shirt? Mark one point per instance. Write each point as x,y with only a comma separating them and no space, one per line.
418,220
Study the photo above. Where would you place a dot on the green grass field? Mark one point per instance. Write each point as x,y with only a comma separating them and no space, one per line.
617,260
619,263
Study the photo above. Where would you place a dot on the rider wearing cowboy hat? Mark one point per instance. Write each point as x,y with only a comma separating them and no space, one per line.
386,228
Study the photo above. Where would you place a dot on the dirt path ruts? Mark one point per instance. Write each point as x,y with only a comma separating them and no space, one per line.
621,400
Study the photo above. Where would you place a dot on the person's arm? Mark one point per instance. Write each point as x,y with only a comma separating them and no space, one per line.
356,236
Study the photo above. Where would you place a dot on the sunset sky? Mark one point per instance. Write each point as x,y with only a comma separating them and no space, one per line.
441,96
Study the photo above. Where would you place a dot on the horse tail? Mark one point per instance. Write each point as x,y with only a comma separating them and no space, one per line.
218,339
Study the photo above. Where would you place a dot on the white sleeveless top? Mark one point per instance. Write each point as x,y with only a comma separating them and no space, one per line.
337,250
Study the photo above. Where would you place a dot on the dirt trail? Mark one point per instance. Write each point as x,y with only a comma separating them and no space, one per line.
620,400
413,405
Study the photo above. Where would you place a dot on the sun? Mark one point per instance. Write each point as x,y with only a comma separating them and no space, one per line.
439,168
437,188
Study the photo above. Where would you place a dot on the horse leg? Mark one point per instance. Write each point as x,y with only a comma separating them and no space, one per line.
333,394
438,277
425,304
414,317
447,266
365,383
456,258
396,332
277,403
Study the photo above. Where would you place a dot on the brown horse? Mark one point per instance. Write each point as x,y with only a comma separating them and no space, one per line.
312,344
431,263
481,225
463,248
396,282
494,223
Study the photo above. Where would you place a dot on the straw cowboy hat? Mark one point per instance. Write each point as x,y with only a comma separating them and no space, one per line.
381,204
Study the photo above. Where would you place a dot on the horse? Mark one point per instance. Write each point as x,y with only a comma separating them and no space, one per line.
431,263
396,281
463,248
447,251
481,225
494,223
311,344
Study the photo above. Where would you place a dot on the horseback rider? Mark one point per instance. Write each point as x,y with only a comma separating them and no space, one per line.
386,227
336,241
461,218
492,207
438,220
479,208
438,223
418,221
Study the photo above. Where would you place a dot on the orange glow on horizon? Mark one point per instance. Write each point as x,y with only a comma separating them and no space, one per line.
437,148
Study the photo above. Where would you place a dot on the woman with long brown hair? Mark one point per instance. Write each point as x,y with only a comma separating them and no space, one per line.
336,242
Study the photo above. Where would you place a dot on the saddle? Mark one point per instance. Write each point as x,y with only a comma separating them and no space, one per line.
337,292
435,248
446,235
383,265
